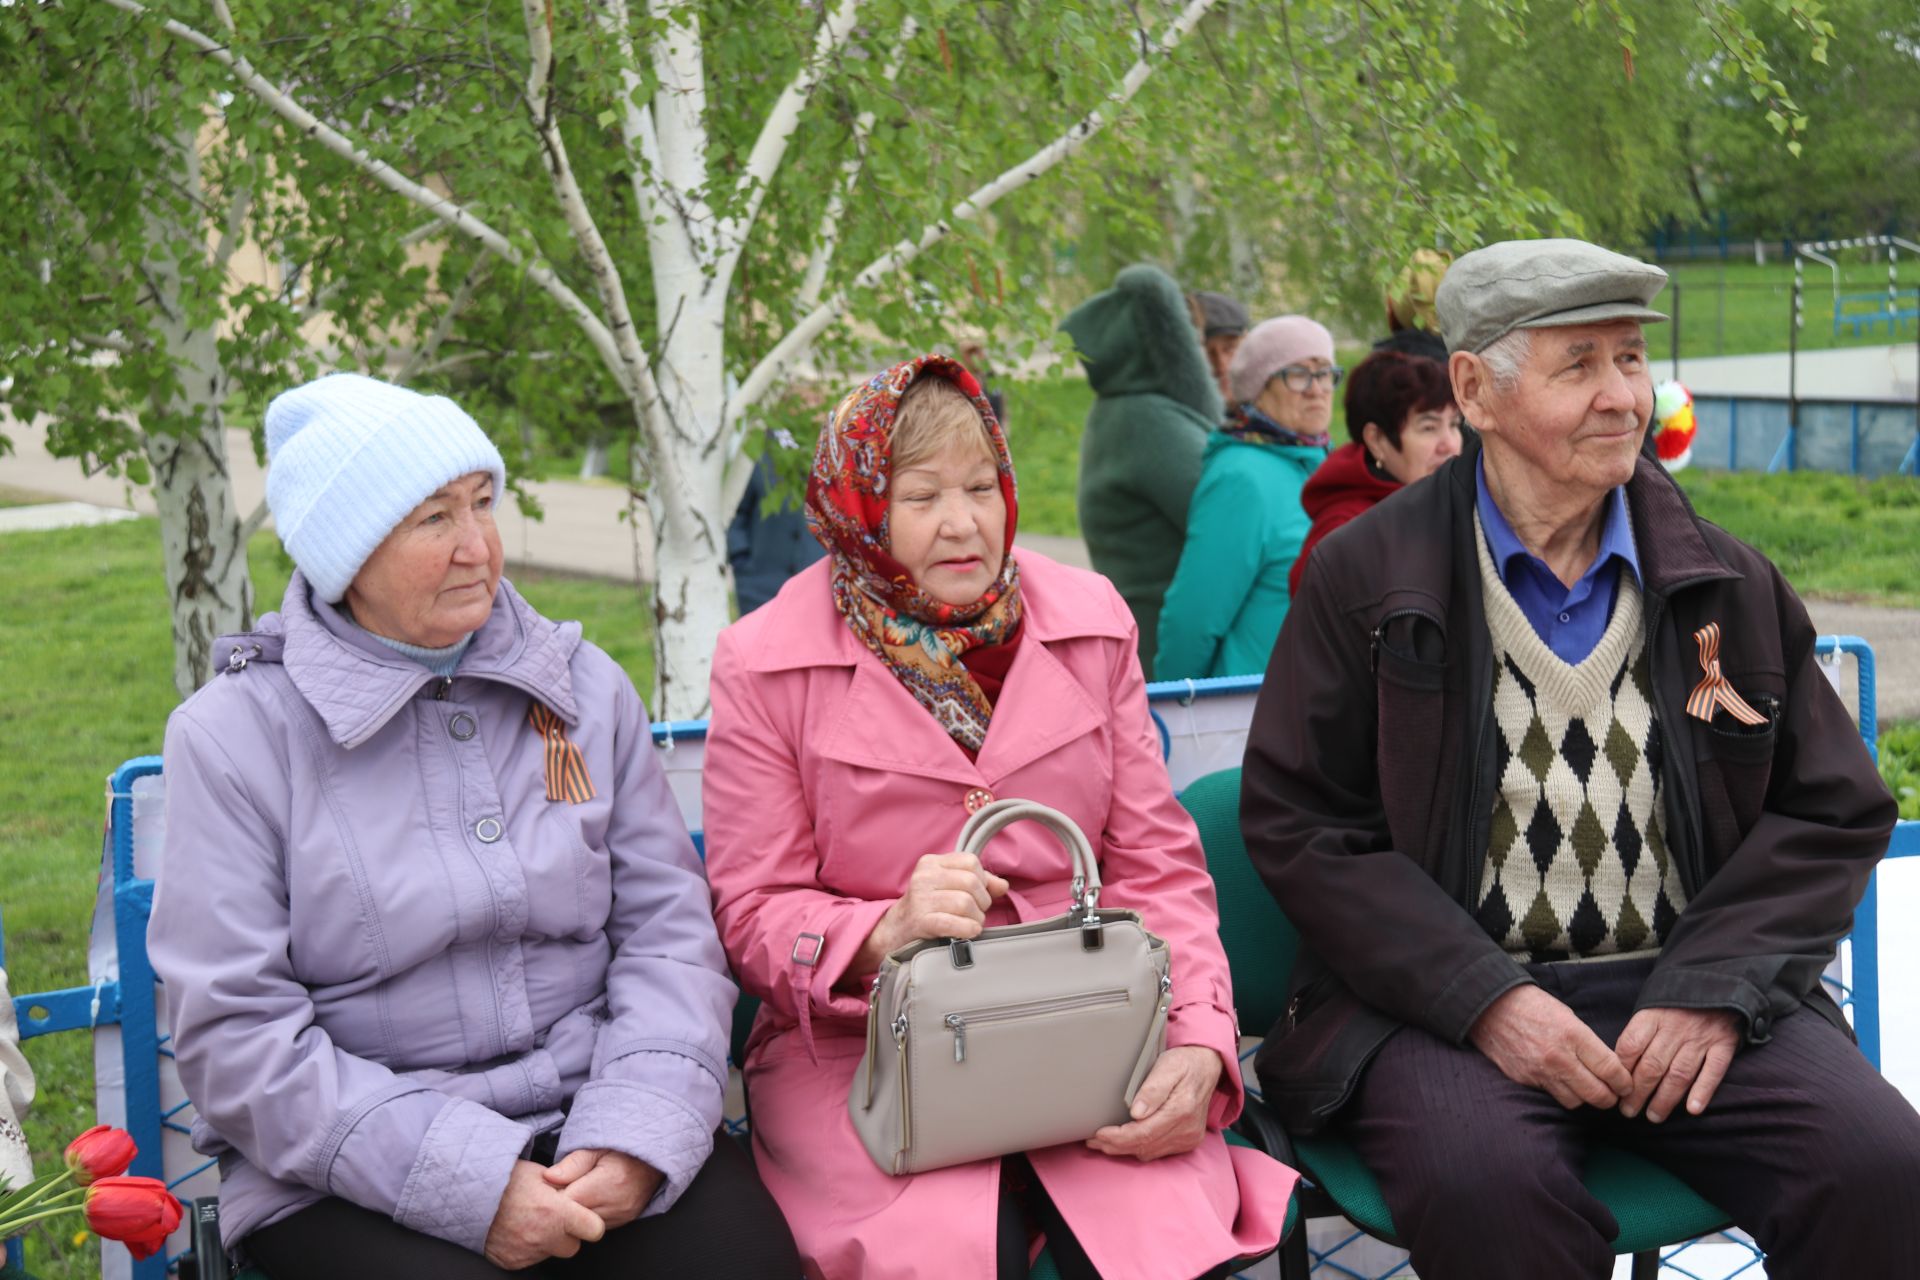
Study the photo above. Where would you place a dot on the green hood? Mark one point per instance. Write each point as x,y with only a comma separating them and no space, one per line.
1136,339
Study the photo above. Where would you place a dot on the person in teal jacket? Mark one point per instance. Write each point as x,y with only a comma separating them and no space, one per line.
1141,452
1245,525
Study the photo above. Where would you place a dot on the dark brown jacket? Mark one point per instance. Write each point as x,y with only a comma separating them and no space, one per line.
1369,786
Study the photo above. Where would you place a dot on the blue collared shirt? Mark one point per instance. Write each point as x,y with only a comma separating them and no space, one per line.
1570,619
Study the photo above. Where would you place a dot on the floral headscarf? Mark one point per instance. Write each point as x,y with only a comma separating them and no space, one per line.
849,499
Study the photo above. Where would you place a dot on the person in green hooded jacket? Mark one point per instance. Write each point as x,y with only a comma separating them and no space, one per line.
1245,526
1156,403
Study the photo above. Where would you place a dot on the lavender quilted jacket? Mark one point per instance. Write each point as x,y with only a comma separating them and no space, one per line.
391,960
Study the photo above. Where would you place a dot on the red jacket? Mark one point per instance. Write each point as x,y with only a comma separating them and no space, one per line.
1343,487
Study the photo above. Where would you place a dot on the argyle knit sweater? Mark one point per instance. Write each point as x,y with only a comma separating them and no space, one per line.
1577,862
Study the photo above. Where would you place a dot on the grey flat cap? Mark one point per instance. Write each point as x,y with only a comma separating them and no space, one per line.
1221,314
1541,284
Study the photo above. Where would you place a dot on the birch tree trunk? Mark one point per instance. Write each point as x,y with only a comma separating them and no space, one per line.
689,432
202,535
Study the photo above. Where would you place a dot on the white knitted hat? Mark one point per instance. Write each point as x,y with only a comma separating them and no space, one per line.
349,456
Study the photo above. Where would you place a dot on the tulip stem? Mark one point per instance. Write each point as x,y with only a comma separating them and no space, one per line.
38,1194
11,1228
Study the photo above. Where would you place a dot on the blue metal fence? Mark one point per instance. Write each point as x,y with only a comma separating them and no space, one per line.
129,1002
1855,437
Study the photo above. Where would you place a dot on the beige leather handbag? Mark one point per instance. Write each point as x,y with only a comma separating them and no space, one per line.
1025,1036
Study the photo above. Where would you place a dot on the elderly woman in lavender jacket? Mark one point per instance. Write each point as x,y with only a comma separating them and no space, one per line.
445,987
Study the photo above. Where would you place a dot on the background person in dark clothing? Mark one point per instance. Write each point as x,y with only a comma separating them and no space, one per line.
1155,404
1222,323
1546,773
766,544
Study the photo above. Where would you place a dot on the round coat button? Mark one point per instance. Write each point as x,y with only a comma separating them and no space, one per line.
978,799
462,726
488,829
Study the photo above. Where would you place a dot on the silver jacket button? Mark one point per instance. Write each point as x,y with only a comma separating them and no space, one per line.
488,829
462,726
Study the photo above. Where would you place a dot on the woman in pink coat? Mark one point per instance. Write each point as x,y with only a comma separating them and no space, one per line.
915,674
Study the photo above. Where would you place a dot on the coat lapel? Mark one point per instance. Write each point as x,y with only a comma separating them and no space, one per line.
1041,708
881,726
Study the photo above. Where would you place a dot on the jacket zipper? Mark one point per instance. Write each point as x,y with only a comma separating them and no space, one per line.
1379,630
1476,787
958,1021
1476,855
1693,866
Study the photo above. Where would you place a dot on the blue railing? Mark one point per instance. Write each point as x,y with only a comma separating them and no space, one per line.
1763,433
129,1002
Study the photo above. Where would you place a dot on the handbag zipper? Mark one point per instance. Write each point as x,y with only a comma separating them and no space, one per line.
873,1037
959,1021
906,1108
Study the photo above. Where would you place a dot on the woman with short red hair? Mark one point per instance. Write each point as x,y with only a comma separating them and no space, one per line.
1402,423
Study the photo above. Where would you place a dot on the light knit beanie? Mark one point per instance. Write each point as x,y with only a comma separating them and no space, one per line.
349,456
1271,346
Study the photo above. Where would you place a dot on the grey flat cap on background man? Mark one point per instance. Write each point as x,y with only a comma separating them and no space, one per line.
1570,823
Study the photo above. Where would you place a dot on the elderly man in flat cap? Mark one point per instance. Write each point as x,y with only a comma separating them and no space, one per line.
1570,824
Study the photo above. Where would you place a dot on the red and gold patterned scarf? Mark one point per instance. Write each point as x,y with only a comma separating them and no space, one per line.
848,499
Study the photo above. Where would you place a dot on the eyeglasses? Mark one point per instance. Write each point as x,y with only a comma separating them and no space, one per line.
1300,379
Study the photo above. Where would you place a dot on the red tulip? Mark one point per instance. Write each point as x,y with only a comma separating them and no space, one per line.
100,1152
139,1212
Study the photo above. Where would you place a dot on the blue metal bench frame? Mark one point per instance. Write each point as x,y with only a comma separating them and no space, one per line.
129,1002
1884,306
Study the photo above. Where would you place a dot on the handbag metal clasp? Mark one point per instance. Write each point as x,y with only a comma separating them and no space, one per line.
1085,902
961,951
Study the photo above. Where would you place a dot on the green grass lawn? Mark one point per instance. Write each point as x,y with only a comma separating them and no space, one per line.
1737,308
1831,535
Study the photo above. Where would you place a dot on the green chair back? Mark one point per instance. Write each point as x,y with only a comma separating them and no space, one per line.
744,1010
1261,943
1653,1207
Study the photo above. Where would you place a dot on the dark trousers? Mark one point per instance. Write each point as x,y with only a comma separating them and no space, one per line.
724,1224
1805,1145
1024,1202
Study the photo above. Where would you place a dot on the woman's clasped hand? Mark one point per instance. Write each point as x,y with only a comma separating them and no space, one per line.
1170,1110
948,896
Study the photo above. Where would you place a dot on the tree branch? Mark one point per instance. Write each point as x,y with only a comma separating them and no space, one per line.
631,368
798,340
429,347
442,207
826,237
239,205
251,525
770,148
638,133
680,124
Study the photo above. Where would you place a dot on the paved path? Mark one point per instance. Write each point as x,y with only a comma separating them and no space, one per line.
1848,373
582,533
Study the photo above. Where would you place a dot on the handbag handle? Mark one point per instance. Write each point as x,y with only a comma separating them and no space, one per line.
990,820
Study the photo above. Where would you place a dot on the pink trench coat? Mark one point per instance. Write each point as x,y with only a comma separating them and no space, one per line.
825,781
